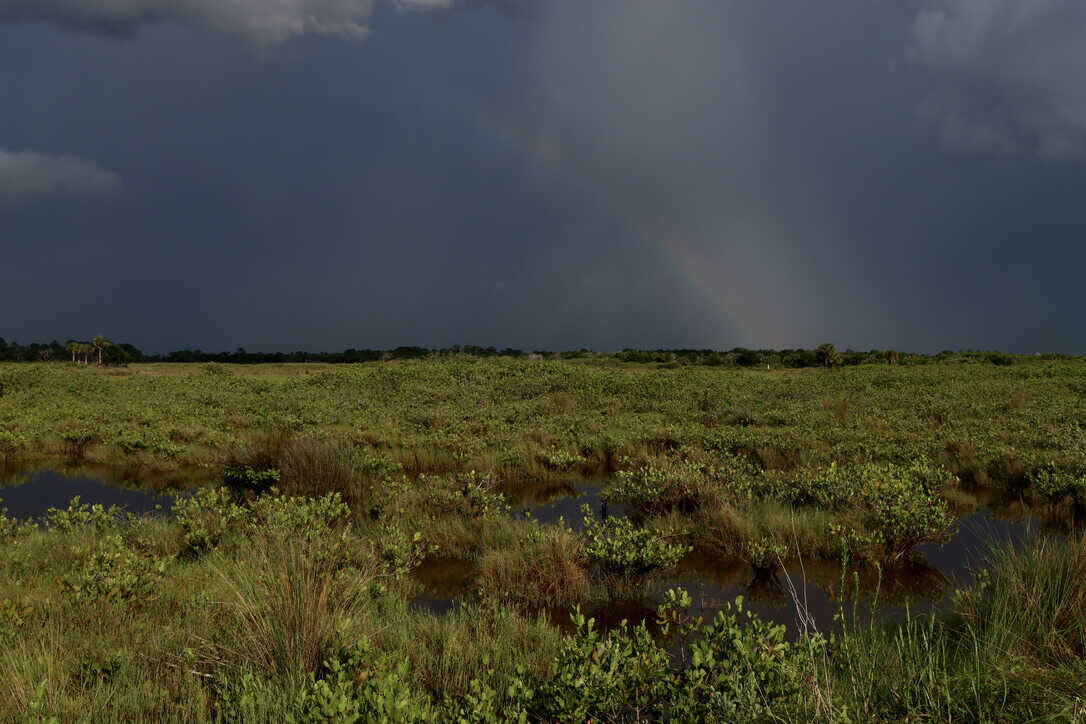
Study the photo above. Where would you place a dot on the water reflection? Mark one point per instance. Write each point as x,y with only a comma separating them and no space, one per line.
30,493
924,582
811,590
443,582
553,501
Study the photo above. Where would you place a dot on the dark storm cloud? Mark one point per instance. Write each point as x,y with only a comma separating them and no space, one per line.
25,176
263,21
1008,75
550,174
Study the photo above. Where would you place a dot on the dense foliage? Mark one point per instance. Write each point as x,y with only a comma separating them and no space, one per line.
284,591
124,353
292,612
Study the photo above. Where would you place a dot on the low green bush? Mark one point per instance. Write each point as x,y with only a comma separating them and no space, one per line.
625,554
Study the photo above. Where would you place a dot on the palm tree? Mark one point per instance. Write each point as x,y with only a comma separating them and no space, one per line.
71,346
827,355
100,343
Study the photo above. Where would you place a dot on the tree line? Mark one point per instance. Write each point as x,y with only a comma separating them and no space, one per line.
101,351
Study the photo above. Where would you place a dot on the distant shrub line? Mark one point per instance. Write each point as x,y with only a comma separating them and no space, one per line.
123,353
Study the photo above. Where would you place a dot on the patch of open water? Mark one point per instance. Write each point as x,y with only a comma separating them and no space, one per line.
924,583
31,493
560,501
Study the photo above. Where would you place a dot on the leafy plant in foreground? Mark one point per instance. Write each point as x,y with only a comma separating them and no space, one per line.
113,572
735,667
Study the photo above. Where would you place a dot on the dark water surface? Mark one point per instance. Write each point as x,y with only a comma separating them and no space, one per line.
560,501
919,585
922,584
29,494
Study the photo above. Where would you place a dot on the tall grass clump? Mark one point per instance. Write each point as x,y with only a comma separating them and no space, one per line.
1029,614
290,606
545,568
485,639
295,584
311,466
1012,649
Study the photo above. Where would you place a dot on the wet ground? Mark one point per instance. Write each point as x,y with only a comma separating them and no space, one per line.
811,594
809,591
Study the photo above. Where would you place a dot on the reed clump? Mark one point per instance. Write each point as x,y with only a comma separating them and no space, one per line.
1012,649
544,568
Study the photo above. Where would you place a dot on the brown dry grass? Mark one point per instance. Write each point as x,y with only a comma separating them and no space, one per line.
541,571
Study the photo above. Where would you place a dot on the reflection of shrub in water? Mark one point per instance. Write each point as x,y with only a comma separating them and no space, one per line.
765,586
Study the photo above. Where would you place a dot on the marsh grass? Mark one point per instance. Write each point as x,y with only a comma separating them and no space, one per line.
545,568
485,638
418,451
784,532
291,606
1012,649
468,538
428,461
1031,606
248,630
310,466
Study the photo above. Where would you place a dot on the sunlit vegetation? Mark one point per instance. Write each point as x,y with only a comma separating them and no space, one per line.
284,590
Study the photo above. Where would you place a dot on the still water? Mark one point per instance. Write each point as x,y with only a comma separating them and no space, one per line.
29,494
923,584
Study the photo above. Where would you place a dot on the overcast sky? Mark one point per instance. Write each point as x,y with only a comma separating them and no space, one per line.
323,174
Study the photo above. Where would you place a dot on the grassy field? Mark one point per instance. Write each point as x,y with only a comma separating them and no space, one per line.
286,593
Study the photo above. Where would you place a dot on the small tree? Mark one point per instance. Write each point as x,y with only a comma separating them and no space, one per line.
100,343
827,355
890,356
71,347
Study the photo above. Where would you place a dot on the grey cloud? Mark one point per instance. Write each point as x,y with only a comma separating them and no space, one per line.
634,172
24,176
262,21
1008,75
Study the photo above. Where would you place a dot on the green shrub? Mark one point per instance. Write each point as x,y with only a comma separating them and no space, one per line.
894,506
9,527
111,571
560,460
735,668
467,494
80,515
625,554
205,518
76,438
1058,483
351,689
671,484
244,477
